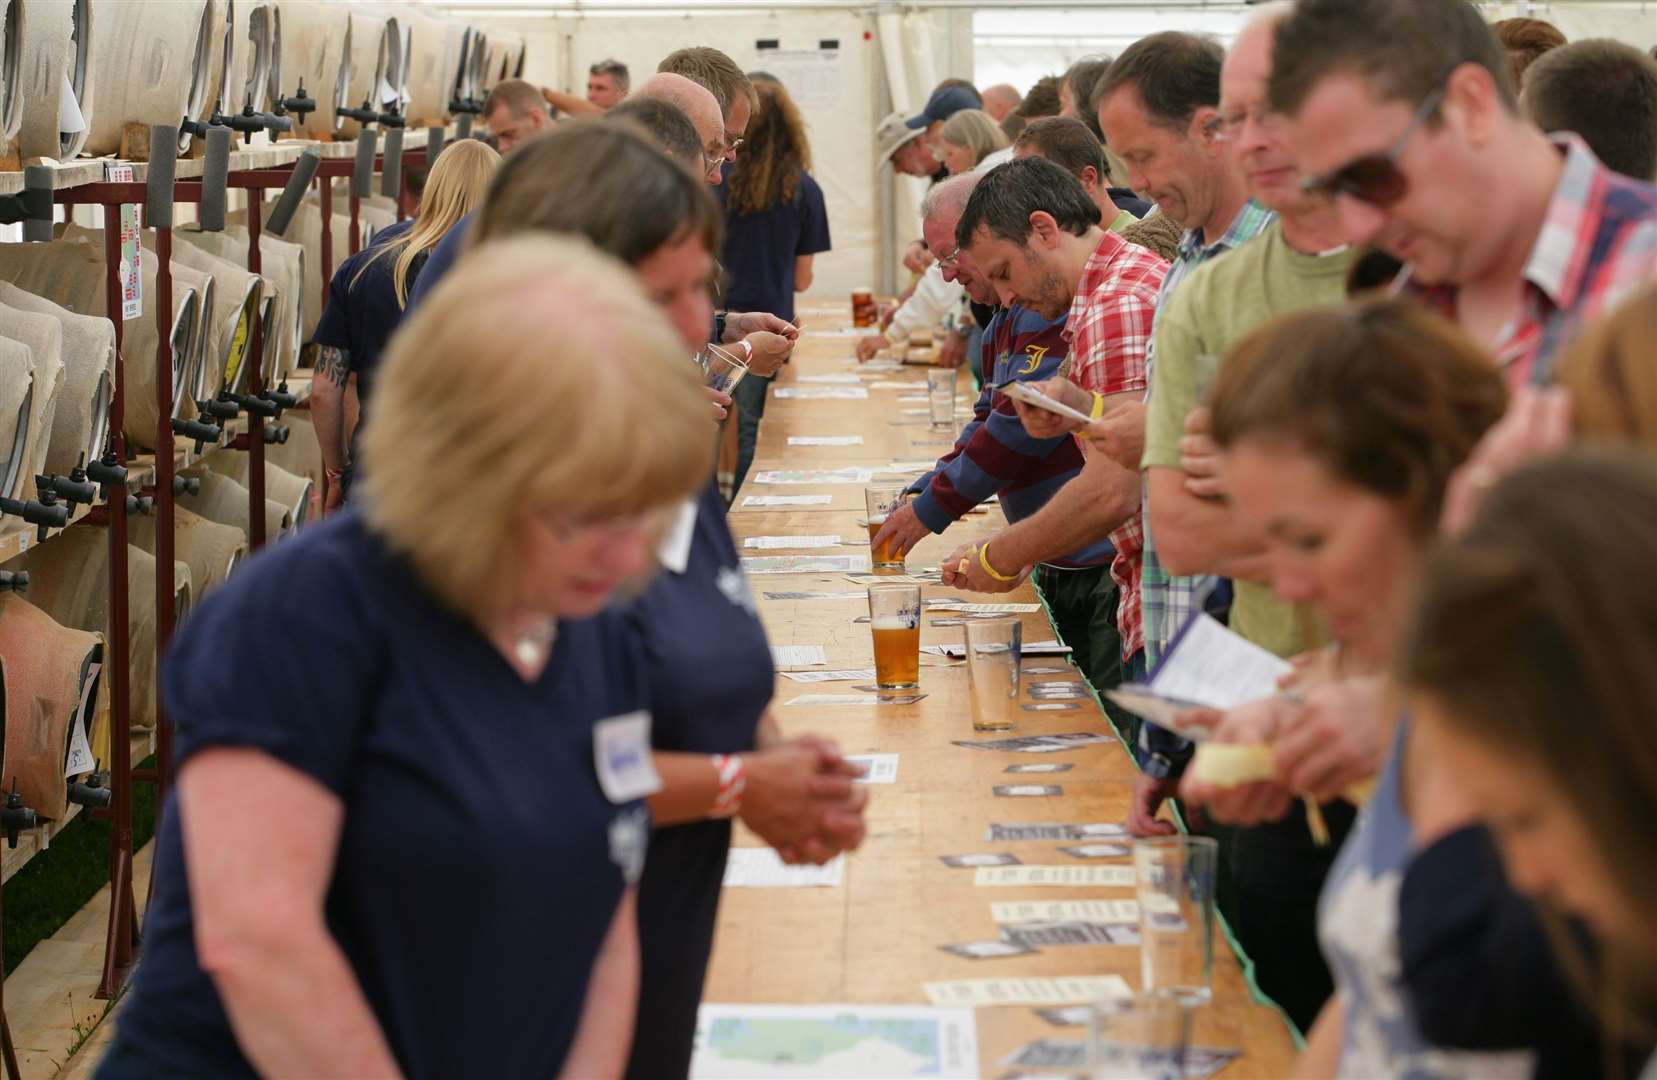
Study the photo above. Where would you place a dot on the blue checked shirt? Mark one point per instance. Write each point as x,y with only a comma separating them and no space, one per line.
1168,600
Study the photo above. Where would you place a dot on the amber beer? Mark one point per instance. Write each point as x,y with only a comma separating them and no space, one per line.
895,621
878,503
897,655
881,558
864,310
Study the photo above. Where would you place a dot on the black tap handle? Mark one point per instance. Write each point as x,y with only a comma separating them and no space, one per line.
276,434
186,485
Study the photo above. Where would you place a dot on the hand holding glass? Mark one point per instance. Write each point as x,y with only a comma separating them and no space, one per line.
721,370
881,502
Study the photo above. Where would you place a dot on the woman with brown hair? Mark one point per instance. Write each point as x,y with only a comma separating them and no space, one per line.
775,223
1543,611
1341,431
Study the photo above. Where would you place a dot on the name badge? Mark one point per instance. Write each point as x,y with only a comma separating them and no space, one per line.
675,550
621,754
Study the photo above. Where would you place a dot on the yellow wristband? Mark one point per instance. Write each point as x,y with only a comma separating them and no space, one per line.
984,561
1098,409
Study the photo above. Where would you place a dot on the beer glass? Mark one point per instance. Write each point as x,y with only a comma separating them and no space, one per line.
992,671
1139,1038
721,370
940,394
1175,878
880,502
895,619
864,310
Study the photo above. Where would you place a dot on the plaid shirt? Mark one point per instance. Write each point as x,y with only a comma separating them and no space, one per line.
1597,243
1109,331
1169,601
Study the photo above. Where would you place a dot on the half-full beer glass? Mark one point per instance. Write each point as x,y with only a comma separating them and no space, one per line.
880,502
895,618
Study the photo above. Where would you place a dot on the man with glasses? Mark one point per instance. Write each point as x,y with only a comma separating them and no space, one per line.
1297,262
731,89
1403,112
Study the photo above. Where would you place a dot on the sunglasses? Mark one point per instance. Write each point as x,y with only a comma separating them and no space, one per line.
1375,178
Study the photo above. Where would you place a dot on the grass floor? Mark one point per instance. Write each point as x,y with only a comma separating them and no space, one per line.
57,883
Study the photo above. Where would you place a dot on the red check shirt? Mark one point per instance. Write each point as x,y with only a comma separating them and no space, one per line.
1109,330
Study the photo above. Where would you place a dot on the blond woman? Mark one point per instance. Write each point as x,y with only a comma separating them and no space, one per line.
366,300
408,846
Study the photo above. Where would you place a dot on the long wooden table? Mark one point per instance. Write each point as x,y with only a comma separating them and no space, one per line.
874,939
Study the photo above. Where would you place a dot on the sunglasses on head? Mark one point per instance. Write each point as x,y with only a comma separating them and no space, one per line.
1375,178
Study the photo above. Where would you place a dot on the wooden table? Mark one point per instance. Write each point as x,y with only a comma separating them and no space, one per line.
874,940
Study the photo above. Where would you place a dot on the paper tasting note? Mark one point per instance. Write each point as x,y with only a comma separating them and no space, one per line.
790,656
814,476
761,868
787,500
1027,394
1110,912
816,596
1070,990
841,379
1207,664
848,675
825,440
877,768
834,1041
1066,876
766,543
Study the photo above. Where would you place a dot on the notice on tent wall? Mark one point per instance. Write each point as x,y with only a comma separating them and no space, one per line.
132,252
811,75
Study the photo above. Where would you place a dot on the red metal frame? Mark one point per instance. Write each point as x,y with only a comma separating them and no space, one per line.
123,939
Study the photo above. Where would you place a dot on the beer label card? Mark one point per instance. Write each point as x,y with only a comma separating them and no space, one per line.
1043,767
787,500
999,832
1065,876
825,440
857,700
1049,1054
1068,990
991,858
877,768
987,950
1026,791
771,542
1068,1016
1112,912
847,675
984,609
843,379
822,393
1097,851
814,476
792,656
860,596
804,564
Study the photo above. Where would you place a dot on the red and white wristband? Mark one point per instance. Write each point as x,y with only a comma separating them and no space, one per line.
733,781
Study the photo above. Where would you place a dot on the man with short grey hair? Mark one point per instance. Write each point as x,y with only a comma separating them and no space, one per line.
607,84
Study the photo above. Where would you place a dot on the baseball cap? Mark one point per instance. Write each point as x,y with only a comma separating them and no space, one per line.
891,135
944,103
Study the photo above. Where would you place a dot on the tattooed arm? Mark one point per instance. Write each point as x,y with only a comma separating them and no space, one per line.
333,368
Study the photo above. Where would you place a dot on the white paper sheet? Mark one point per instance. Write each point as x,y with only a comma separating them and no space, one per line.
825,440
1066,875
804,564
761,868
791,656
844,379
1066,990
787,500
1213,665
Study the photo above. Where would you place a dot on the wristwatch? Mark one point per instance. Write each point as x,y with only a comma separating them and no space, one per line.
1160,766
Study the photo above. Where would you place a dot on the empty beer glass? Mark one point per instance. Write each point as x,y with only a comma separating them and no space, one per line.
940,393
895,619
992,672
721,369
1138,1038
1176,878
880,502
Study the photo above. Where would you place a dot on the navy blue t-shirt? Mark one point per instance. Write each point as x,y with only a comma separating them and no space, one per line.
760,248
441,260
711,678
479,865
361,315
